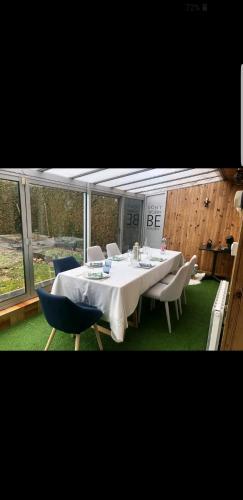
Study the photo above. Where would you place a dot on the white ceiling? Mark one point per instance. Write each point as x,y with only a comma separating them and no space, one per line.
137,180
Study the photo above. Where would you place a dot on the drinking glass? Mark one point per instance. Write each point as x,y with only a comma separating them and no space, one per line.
129,253
107,266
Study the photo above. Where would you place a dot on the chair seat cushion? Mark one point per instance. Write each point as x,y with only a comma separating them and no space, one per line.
155,291
66,316
168,279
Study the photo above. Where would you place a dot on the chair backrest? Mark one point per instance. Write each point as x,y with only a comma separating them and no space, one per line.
65,264
190,269
95,254
62,314
174,290
112,250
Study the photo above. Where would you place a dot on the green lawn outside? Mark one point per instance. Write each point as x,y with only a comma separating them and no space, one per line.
12,268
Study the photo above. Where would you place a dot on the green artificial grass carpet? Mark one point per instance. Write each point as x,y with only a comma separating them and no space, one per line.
190,333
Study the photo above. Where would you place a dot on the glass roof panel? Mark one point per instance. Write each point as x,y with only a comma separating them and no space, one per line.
177,182
70,172
183,185
135,180
168,178
108,173
138,176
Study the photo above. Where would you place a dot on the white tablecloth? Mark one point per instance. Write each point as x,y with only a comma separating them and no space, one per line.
118,296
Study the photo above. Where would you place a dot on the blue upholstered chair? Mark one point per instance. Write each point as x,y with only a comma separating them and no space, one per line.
65,264
63,314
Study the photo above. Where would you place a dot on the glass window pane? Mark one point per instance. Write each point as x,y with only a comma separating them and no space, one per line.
104,220
12,276
57,229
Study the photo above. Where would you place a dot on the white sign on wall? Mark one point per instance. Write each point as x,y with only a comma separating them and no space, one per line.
154,219
132,223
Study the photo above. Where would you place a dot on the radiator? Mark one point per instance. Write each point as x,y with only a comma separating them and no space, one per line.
217,317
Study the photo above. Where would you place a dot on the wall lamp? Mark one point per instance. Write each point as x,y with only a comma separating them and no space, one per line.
206,202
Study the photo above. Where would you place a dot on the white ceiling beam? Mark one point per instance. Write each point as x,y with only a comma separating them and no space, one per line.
57,181
93,171
176,182
174,178
137,176
183,186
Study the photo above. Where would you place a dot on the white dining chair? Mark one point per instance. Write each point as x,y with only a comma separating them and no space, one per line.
95,254
112,250
190,271
169,293
167,279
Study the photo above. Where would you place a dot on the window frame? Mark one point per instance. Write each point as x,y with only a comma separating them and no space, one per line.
25,242
25,181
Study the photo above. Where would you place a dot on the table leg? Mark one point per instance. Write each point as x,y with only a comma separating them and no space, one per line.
214,267
134,321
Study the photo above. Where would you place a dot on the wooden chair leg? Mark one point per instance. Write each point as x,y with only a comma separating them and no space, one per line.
167,309
53,333
98,338
77,342
176,308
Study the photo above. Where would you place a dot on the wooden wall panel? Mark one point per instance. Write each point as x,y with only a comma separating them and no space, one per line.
233,330
188,224
228,173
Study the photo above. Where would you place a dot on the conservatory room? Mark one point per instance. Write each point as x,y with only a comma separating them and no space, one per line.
121,259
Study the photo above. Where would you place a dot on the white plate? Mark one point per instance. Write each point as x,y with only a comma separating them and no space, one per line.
158,259
118,258
145,268
92,266
96,278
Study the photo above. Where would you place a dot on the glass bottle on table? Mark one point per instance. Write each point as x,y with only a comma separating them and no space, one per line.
136,252
163,245
145,246
148,253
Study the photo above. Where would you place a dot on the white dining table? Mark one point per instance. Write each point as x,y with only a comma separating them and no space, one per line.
118,296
